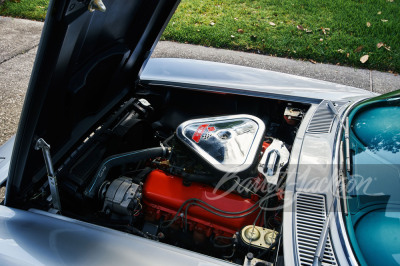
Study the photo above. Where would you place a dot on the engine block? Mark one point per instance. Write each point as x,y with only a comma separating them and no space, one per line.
164,194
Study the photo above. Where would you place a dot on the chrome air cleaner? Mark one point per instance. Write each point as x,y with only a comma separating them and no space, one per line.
227,143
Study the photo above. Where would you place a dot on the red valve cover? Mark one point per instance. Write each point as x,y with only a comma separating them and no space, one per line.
164,194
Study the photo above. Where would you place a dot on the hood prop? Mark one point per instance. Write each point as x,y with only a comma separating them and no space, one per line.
55,196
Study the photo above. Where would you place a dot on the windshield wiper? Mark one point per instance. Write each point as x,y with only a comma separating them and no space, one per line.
346,133
342,176
319,251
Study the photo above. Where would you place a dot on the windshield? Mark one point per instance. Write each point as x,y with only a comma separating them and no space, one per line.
373,182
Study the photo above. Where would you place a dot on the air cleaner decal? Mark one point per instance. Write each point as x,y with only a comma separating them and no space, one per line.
199,132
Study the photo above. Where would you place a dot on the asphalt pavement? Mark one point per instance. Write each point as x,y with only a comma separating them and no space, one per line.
19,40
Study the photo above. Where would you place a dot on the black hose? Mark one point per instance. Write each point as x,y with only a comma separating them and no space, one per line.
215,244
224,237
170,222
118,160
215,213
226,212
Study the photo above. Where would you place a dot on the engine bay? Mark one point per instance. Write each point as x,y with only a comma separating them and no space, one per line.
198,170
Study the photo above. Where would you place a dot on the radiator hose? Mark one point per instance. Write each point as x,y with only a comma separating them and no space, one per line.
119,160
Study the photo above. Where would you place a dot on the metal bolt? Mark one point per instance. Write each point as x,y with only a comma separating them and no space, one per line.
250,256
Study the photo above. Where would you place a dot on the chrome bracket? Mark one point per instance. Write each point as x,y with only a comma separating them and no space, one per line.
55,196
96,5
275,157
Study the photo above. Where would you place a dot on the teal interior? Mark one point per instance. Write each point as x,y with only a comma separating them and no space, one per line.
373,185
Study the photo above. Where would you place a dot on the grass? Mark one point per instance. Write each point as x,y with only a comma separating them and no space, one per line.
333,31
338,28
30,9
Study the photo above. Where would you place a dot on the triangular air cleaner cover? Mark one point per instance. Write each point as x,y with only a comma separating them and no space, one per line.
228,143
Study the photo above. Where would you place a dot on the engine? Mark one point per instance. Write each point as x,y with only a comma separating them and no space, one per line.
208,187
213,185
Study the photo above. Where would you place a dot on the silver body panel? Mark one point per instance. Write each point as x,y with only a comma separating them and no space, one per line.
5,157
37,238
204,74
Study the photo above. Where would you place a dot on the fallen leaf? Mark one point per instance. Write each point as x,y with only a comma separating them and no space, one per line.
384,20
328,29
347,55
340,51
379,45
313,61
368,24
300,27
364,58
387,47
235,18
358,49
308,31
212,23
272,24
240,31
380,12
232,36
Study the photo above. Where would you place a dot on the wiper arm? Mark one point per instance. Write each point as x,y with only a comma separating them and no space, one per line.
319,252
346,133
342,177
347,140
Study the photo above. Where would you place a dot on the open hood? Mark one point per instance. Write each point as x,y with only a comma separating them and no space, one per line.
87,62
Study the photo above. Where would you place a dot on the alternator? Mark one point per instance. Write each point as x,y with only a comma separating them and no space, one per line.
122,196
